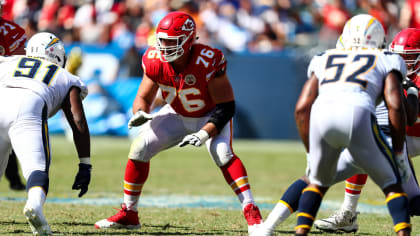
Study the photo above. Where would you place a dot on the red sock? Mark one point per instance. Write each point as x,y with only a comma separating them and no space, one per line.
355,183
235,175
136,173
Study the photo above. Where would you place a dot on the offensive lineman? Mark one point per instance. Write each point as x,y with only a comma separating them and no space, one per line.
200,106
33,88
366,71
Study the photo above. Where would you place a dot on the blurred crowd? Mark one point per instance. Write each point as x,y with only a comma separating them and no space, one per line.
234,25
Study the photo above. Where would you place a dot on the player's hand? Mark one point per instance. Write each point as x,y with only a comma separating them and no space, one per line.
196,139
82,179
407,84
403,167
139,118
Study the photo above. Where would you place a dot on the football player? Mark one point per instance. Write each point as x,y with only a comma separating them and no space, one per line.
325,145
199,110
33,88
407,44
12,42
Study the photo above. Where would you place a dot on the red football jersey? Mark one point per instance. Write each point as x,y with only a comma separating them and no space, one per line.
414,130
12,36
186,92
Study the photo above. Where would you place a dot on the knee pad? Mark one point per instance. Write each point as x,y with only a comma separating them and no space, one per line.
221,153
38,178
138,150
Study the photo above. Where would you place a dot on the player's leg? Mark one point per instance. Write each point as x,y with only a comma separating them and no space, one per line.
373,154
165,130
29,138
234,172
346,218
12,173
287,204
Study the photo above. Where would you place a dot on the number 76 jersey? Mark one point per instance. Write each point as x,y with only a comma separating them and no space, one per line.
186,92
355,76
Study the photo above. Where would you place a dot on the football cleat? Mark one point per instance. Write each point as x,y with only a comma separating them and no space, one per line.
263,231
124,219
342,221
253,218
37,222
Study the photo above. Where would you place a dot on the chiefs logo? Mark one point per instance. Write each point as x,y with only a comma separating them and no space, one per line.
2,51
190,80
188,25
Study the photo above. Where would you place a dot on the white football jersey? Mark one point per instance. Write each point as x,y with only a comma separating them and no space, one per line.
51,82
355,76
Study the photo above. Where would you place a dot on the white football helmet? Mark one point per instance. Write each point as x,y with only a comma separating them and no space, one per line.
47,46
365,31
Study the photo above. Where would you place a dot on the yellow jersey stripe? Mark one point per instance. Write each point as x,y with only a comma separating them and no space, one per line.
286,204
396,195
401,226
133,188
354,186
303,214
313,190
302,227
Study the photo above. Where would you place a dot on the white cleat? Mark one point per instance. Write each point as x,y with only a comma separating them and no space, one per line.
37,222
263,231
342,221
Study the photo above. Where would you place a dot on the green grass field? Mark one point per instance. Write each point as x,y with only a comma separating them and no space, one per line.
188,171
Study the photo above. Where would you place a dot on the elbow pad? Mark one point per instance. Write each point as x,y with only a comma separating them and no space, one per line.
222,114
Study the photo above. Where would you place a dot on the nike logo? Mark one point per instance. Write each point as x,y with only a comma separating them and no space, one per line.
14,36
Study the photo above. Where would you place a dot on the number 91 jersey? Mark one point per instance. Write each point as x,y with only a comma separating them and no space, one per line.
187,92
355,76
48,80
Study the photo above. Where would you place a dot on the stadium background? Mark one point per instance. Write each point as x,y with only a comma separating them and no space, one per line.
268,44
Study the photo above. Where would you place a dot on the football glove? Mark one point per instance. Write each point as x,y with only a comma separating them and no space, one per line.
139,118
403,167
82,179
410,87
196,139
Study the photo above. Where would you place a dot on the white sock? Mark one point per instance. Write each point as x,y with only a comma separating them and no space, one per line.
36,198
246,198
279,214
131,202
350,202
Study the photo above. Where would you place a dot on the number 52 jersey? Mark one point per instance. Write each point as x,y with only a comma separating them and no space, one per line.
355,76
51,82
186,92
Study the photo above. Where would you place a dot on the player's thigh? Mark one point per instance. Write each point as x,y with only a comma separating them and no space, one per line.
373,154
413,146
165,130
220,146
346,167
30,142
326,139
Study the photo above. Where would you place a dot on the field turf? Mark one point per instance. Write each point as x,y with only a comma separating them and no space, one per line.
189,172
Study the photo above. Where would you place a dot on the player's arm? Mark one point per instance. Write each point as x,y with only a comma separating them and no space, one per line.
411,105
221,92
145,95
75,115
303,108
143,101
393,95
